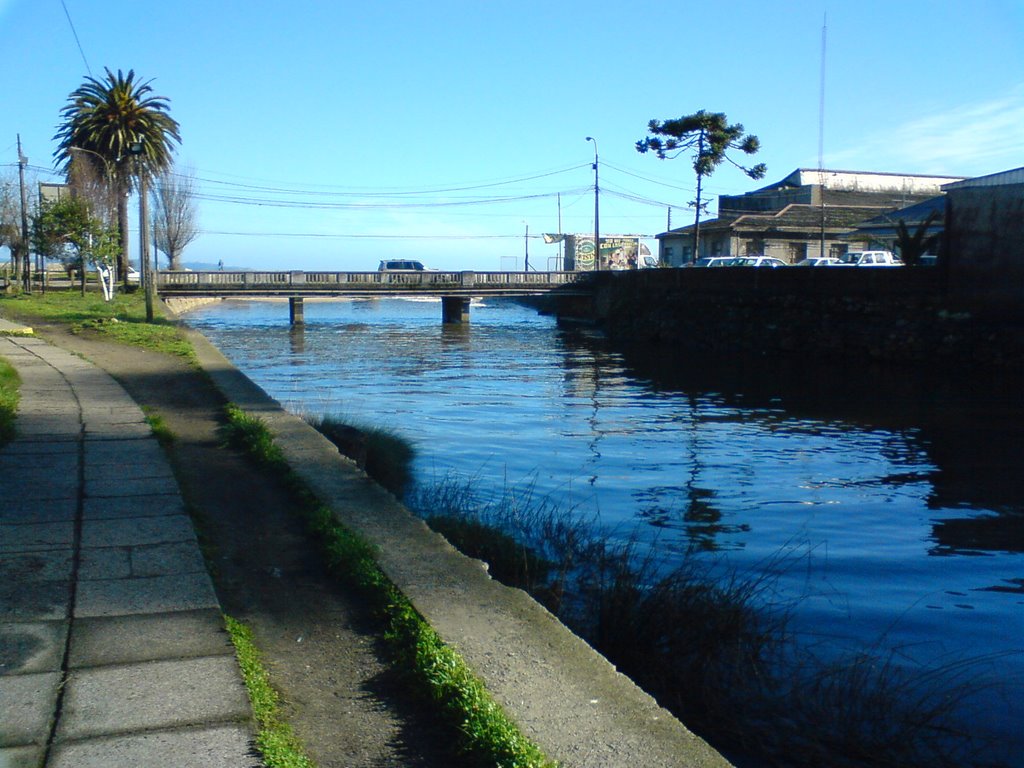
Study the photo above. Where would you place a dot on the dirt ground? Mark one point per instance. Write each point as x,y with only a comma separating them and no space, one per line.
320,644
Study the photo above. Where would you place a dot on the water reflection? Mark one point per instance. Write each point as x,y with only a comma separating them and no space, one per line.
297,339
1002,532
962,427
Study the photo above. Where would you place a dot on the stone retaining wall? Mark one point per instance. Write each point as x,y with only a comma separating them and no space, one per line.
902,315
179,305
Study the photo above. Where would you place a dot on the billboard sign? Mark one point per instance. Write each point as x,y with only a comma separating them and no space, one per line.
618,252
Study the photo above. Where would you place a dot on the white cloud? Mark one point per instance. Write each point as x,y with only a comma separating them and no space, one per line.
970,140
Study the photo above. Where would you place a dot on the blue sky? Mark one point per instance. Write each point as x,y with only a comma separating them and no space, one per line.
330,135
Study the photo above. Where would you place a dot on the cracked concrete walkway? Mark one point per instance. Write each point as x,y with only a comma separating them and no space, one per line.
112,648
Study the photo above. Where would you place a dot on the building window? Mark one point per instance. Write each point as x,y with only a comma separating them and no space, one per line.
687,250
668,252
716,248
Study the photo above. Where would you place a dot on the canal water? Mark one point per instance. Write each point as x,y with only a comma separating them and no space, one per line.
889,502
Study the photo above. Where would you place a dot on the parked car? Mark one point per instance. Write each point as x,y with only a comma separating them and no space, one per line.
401,265
713,261
758,261
819,261
871,259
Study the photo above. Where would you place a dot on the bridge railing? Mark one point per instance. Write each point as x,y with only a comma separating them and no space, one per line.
222,280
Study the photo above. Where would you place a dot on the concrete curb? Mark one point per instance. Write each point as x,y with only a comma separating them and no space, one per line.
7,328
565,696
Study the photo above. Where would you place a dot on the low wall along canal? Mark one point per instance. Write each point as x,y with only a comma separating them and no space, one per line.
902,315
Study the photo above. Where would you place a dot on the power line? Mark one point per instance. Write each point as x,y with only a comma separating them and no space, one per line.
367,236
363,236
365,192
337,205
77,41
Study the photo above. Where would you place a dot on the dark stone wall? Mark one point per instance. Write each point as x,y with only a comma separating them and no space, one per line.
985,235
903,315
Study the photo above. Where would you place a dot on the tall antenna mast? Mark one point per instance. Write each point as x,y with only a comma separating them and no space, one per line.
821,134
821,98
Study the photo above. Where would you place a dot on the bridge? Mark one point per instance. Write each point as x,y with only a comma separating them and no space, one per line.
455,288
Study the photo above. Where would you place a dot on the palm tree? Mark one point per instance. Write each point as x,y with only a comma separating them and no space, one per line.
125,131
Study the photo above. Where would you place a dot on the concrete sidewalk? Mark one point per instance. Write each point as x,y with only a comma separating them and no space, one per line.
112,649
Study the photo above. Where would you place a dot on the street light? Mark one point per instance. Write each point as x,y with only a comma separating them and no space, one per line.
526,247
136,148
597,211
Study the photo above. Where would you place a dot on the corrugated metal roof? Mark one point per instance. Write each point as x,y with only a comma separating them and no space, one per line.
797,218
1016,176
912,214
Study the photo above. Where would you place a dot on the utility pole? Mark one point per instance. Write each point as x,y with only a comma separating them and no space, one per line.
597,210
561,237
26,270
144,266
696,219
145,273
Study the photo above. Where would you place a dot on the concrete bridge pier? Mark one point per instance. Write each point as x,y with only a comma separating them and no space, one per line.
455,309
296,311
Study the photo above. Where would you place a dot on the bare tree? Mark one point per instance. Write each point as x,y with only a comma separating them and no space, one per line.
174,213
10,224
87,183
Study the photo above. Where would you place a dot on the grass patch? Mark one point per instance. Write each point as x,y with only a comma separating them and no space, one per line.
161,431
715,649
10,386
487,736
385,455
250,435
276,741
123,319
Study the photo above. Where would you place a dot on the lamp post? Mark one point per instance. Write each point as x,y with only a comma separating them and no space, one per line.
597,211
526,248
136,148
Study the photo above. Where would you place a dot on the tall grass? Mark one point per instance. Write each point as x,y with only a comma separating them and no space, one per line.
385,455
715,648
526,539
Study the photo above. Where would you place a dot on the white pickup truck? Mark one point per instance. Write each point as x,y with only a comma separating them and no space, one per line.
871,259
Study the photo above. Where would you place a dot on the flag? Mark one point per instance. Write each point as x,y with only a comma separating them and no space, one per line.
553,238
